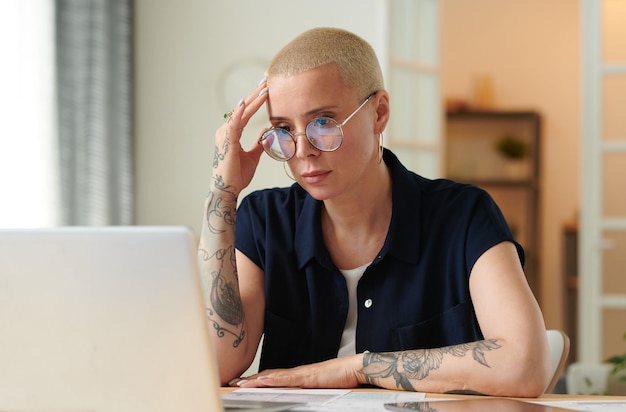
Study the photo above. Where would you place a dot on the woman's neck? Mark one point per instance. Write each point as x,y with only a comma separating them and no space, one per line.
355,226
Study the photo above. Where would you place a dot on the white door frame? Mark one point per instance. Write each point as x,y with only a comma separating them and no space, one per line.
593,223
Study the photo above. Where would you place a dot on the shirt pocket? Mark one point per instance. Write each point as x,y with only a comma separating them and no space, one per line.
453,326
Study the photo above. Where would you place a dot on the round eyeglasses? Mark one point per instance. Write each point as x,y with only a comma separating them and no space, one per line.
323,133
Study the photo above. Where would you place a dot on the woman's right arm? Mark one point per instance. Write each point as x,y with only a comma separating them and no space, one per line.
236,322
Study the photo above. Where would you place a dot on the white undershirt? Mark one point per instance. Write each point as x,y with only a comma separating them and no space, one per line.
348,338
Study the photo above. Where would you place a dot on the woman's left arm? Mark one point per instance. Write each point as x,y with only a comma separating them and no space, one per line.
512,360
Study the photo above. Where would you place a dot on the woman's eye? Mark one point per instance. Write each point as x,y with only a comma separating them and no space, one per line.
322,122
283,127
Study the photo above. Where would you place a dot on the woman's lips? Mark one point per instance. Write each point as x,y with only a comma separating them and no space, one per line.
315,176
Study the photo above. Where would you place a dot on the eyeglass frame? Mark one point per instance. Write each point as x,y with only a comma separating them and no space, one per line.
294,134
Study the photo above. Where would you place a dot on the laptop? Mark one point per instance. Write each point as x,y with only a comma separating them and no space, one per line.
104,319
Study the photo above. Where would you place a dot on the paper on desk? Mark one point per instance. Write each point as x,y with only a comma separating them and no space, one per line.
589,406
328,399
308,396
574,405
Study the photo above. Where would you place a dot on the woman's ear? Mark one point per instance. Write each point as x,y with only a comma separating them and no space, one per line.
381,102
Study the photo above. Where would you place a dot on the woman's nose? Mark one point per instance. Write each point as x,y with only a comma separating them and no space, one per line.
304,148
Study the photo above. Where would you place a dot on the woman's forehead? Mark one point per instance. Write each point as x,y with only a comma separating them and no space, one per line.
303,91
321,78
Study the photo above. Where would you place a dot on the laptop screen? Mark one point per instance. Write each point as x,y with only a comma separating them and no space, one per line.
103,319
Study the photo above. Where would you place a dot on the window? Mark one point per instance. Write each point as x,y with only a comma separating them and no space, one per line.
28,174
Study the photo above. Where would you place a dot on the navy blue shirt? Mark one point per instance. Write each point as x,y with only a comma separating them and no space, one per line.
415,294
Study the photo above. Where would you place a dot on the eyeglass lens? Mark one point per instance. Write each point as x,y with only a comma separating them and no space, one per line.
323,133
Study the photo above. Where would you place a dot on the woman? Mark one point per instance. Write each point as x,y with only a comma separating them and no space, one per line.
362,272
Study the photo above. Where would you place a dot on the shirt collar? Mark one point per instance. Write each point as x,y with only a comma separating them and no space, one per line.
403,238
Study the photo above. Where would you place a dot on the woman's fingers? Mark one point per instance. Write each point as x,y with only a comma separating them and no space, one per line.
231,162
250,104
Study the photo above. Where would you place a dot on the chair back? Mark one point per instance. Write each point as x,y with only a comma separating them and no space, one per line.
558,341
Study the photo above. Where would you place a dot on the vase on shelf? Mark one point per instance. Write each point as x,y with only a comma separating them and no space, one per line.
516,169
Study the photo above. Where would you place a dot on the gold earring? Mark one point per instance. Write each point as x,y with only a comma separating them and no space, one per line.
380,147
286,172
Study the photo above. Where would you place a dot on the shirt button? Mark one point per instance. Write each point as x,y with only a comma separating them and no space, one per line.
368,303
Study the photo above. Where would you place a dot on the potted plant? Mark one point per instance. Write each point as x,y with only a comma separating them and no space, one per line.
514,150
606,378
512,147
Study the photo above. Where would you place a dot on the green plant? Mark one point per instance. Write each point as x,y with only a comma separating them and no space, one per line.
619,363
512,147
589,384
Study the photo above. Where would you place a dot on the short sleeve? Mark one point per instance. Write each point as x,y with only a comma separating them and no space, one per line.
486,228
248,232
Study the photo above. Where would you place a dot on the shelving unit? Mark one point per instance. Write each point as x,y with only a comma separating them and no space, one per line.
472,156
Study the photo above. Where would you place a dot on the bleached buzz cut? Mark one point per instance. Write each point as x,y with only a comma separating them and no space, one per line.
355,58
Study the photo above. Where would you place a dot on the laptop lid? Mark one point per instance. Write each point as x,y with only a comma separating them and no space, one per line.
103,319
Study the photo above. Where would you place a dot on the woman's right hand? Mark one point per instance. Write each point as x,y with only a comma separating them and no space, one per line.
233,167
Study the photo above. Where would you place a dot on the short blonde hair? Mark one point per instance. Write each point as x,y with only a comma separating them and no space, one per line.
355,58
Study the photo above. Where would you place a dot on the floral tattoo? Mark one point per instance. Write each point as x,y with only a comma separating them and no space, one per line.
410,365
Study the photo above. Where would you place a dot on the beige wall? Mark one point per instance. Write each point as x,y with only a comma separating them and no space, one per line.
183,49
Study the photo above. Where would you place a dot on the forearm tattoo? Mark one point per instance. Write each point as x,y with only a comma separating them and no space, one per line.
224,297
219,262
410,365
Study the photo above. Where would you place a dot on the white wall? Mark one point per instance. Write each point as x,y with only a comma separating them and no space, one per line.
182,51
531,49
